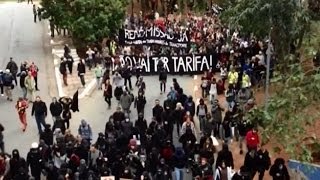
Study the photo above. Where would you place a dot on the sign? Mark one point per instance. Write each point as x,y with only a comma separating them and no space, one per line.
184,64
154,35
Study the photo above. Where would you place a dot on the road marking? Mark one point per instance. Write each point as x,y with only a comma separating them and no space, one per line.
88,88
59,82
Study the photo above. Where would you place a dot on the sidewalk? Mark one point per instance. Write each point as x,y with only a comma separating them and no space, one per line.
74,83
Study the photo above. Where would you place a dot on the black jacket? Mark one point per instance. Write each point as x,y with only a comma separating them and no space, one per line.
22,78
55,109
47,136
81,68
277,173
156,112
263,160
12,66
39,108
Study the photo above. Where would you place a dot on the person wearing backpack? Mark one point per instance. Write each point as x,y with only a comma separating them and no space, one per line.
7,84
85,131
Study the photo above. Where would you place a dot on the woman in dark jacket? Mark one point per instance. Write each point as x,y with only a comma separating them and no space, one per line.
225,156
279,171
81,72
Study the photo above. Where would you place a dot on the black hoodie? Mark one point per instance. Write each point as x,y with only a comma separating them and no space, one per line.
17,164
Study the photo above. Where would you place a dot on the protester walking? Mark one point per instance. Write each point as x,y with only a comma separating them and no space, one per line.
30,85
98,71
163,80
7,84
34,72
107,93
63,71
13,67
81,72
35,13
85,131
21,107
55,109
39,110
23,76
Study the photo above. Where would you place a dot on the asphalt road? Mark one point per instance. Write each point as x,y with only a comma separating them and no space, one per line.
23,40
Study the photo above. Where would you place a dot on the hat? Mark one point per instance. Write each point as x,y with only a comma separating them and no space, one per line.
34,145
7,70
232,51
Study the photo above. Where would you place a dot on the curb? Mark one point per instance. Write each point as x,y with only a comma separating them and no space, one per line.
86,92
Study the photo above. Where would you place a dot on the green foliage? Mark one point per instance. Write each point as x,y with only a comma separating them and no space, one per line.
287,115
88,20
287,18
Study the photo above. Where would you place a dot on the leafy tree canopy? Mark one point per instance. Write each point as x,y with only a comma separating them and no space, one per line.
295,92
87,20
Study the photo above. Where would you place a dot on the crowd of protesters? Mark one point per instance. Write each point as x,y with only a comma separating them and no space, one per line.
130,147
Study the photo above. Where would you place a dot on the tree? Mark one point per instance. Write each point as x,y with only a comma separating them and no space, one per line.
287,18
285,118
87,20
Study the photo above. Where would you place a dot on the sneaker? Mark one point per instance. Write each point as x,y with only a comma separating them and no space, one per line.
2,95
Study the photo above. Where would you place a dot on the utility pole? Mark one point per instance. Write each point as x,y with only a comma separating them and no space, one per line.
269,54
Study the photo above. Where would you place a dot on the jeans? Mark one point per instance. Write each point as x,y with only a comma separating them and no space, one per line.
40,120
82,80
24,92
108,100
178,173
163,86
202,121
128,80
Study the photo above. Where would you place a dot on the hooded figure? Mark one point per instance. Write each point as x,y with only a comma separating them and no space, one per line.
225,156
190,106
85,131
279,170
47,135
83,170
75,102
34,161
18,165
179,162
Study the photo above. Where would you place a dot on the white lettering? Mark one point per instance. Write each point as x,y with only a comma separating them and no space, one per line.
181,63
204,62
189,63
175,64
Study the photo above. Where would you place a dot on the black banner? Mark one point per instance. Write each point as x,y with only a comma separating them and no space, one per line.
186,64
154,35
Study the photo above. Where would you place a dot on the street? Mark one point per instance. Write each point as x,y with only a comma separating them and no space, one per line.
23,40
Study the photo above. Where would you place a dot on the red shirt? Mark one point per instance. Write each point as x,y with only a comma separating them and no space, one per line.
252,139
